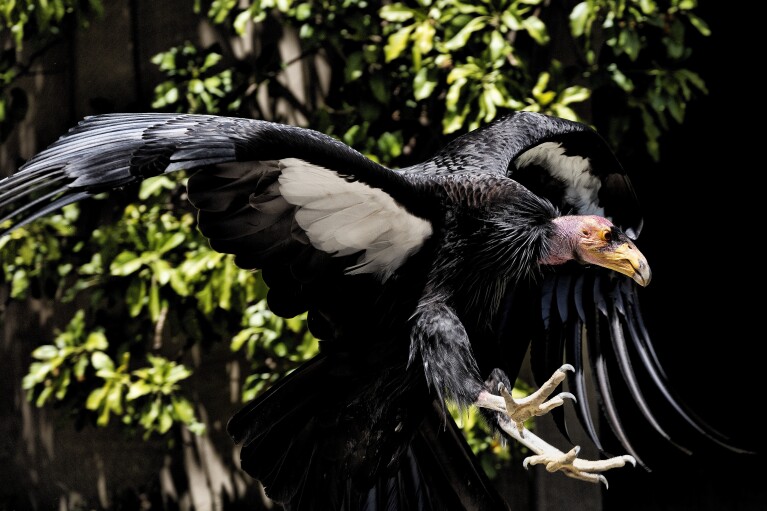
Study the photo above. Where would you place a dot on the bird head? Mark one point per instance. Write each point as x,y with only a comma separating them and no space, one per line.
591,239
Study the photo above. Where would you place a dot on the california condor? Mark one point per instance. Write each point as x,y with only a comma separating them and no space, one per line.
424,284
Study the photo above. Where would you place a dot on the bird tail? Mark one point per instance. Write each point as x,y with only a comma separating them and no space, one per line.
326,438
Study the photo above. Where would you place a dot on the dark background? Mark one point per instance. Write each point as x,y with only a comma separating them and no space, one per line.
705,308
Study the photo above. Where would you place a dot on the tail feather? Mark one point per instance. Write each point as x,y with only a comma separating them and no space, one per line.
332,435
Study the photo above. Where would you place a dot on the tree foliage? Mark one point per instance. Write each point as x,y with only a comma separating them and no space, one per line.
404,77
29,27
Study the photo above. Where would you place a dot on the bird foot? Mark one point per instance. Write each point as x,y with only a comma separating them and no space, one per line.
569,464
513,414
534,405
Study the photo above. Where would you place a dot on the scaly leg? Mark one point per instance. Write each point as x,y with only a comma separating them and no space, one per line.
516,412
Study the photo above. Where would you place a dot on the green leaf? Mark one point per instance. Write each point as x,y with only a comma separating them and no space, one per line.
560,110
541,84
620,79
96,341
211,59
177,373
162,271
241,22
397,42
43,397
498,46
629,41
154,301
396,13
196,86
19,283
354,66
80,366
423,86
699,24
676,109
511,20
100,360
423,36
574,94
460,39
579,19
38,371
648,6
125,263
165,422
183,410
135,297
95,398
149,416
694,78
46,352
137,389
114,399
154,186
537,29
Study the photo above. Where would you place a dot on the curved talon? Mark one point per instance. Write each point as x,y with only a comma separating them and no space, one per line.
629,459
517,411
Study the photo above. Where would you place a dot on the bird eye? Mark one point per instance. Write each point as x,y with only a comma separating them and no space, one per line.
607,236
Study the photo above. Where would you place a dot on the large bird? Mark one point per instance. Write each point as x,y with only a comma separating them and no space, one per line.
424,285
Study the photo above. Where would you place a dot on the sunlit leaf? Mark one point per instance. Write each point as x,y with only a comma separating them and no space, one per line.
100,360
396,12
574,94
537,29
397,42
423,86
579,18
462,37
45,352
699,24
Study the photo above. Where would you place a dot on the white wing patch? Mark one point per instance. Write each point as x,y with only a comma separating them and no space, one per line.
343,217
581,186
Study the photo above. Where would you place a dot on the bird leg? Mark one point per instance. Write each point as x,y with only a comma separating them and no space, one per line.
513,414
536,404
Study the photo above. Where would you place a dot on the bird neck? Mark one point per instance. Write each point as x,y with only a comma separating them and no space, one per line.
563,241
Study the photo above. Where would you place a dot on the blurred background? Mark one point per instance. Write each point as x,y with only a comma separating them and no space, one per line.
126,343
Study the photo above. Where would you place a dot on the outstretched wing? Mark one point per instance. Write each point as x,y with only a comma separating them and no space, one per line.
271,194
588,317
564,161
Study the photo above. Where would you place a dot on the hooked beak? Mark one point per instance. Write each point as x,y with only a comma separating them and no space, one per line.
626,258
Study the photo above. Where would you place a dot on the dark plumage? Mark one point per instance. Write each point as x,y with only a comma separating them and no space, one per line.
423,284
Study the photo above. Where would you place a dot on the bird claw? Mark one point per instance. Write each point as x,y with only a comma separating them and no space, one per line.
536,404
516,411
569,464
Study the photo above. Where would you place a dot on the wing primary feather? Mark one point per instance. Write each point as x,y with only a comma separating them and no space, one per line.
555,347
610,411
547,300
637,321
18,186
48,208
578,290
640,344
577,380
595,324
624,364
563,296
